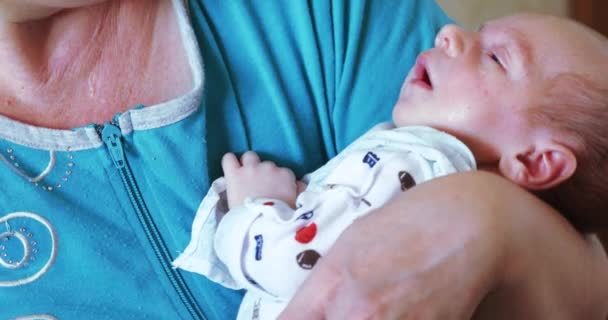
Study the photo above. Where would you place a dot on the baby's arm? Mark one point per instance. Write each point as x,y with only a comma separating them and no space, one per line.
250,177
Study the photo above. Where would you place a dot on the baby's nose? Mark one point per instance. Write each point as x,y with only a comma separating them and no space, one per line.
450,39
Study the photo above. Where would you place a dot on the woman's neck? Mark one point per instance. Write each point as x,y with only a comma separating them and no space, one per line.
84,65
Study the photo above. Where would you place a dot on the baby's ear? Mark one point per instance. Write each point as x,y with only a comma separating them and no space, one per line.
541,168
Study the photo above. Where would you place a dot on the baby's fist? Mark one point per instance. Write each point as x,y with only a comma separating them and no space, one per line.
250,177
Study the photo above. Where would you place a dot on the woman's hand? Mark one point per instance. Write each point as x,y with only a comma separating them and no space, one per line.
470,245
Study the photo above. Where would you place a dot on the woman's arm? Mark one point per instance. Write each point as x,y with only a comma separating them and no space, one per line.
463,246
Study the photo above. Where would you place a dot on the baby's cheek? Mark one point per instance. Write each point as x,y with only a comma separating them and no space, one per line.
459,115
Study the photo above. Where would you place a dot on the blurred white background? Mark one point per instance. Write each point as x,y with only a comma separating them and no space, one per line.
471,13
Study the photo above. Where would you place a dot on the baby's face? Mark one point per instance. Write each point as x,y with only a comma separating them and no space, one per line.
477,85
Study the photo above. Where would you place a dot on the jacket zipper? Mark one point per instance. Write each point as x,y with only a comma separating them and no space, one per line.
112,138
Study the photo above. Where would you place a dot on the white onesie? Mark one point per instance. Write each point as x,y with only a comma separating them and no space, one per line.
269,248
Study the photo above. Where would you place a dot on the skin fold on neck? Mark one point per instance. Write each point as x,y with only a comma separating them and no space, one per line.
86,64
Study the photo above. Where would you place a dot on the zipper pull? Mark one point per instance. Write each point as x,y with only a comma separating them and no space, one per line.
111,136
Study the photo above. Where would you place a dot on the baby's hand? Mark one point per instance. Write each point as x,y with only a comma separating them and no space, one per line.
252,178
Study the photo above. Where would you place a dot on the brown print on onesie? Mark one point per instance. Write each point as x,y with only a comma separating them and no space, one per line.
307,259
406,179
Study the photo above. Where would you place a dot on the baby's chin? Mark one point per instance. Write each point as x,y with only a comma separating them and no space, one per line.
404,114
400,119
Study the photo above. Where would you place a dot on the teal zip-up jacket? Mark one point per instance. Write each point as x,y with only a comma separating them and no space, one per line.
91,218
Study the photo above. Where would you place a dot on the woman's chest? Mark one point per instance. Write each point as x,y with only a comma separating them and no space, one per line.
97,96
75,81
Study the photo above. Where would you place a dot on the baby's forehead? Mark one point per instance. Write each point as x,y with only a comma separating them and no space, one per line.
546,28
561,45
549,46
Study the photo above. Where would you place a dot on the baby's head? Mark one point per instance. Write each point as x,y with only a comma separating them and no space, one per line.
529,95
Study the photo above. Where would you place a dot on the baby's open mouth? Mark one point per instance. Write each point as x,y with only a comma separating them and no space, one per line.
422,77
426,78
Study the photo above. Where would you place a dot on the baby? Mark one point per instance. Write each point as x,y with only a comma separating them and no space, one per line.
526,97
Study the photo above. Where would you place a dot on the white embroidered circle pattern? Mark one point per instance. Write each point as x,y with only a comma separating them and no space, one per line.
23,239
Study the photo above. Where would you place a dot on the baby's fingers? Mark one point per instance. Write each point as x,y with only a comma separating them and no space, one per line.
230,163
250,158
